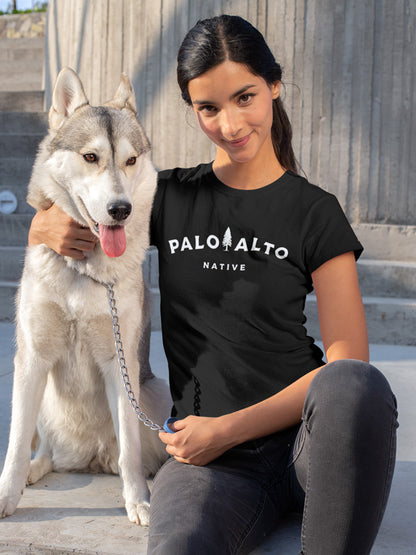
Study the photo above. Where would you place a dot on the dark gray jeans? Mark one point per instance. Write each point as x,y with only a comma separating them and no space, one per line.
336,467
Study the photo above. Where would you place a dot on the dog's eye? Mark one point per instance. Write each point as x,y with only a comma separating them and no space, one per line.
131,161
90,157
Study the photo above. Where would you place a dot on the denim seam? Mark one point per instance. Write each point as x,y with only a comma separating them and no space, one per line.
265,460
292,459
305,506
257,513
390,468
266,484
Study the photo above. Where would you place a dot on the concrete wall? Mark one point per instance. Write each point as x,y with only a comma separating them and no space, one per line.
349,69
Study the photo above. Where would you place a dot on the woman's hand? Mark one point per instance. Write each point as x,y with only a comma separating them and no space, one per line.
57,230
197,440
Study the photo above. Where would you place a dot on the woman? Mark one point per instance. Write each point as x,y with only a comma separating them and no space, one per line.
264,425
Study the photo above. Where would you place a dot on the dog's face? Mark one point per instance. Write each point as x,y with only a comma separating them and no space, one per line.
96,156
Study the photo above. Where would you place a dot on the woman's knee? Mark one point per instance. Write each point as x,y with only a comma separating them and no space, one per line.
351,386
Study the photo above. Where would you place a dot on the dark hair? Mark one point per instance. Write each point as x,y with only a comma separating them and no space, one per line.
228,37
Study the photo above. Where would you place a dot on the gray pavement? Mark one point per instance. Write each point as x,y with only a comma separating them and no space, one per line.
81,513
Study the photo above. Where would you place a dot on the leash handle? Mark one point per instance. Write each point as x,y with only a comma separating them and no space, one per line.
168,421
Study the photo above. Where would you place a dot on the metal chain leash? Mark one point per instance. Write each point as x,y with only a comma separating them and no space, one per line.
197,399
122,362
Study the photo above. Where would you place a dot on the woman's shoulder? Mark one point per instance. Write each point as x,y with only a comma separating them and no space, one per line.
303,188
180,175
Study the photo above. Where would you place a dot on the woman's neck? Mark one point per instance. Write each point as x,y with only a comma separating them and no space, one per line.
253,174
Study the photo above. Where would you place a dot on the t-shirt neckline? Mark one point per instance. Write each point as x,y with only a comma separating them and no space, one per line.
226,189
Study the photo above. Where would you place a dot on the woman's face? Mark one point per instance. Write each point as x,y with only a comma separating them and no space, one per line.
234,109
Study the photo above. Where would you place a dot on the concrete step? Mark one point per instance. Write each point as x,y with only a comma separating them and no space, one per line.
24,75
21,101
387,278
387,241
17,153
14,229
15,174
155,308
389,320
11,263
19,146
16,49
21,133
21,74
8,290
28,123
151,268
21,64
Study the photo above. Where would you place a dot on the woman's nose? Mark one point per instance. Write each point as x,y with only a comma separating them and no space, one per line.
230,123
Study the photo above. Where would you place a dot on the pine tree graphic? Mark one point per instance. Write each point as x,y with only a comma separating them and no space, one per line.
227,241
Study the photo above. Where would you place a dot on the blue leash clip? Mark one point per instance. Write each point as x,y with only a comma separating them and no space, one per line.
168,421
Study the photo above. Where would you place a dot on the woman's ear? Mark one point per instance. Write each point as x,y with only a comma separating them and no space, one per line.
275,89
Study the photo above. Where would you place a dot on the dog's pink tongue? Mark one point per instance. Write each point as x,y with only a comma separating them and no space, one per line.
112,239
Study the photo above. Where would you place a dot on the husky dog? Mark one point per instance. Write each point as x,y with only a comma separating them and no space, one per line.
67,391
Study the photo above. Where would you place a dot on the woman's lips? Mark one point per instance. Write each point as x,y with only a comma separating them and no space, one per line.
238,143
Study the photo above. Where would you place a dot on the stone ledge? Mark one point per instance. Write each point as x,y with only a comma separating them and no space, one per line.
19,26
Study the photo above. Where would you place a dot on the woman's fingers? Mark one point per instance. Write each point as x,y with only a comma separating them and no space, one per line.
54,228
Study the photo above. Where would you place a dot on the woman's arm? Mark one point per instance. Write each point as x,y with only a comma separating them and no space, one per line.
344,333
54,228
341,309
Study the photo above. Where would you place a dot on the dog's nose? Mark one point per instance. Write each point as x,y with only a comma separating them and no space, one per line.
119,210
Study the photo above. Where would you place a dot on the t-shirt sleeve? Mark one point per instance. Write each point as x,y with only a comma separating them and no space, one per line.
328,233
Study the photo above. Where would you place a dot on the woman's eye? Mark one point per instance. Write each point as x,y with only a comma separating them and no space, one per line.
245,98
208,109
131,161
90,157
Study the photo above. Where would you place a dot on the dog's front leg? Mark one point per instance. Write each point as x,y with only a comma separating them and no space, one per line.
135,491
28,387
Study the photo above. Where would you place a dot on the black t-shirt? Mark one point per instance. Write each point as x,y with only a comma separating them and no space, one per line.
235,268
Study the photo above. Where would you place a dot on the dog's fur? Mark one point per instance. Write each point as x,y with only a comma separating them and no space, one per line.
67,382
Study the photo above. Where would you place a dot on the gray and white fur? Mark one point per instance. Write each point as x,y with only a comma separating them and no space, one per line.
68,394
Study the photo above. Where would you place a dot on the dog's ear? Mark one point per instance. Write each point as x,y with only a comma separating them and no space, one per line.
124,97
68,95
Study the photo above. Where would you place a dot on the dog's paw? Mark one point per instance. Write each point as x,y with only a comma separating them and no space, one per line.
138,513
38,468
8,504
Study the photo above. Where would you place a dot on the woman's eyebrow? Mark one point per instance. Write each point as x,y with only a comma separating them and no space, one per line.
241,91
237,93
